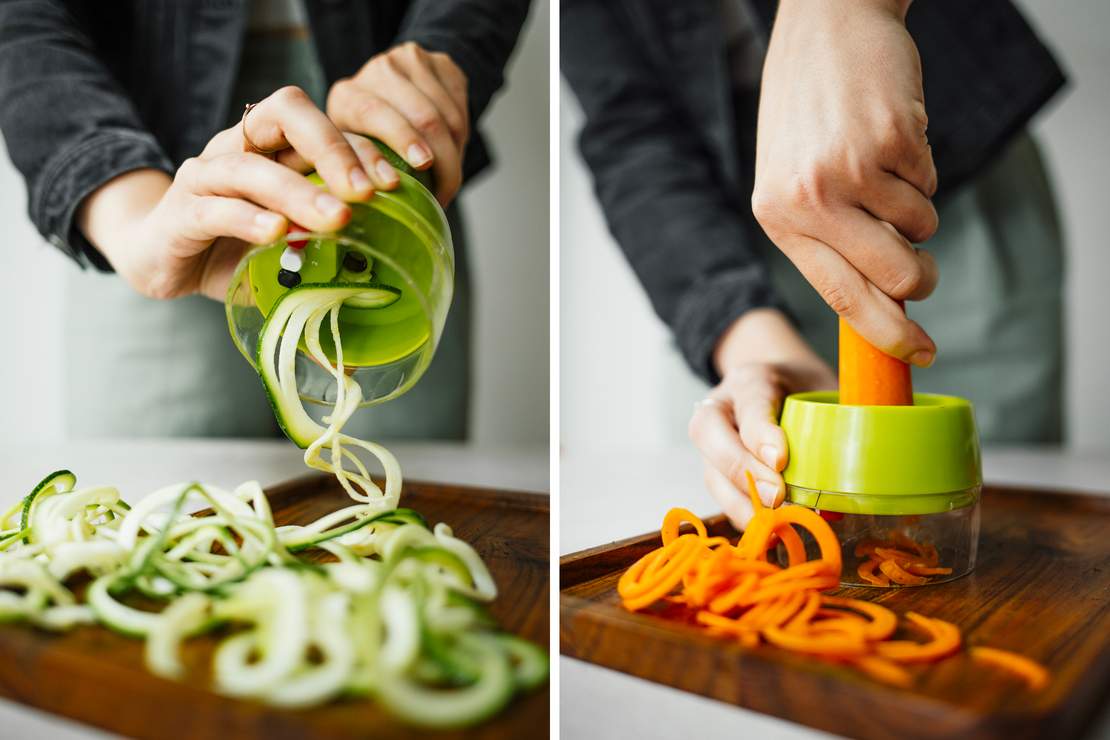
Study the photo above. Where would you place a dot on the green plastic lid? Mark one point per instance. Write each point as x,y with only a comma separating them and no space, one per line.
895,460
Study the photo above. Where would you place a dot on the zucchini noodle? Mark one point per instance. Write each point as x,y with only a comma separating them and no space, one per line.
388,607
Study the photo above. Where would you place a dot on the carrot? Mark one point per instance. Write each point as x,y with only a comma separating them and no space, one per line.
1034,674
893,553
817,527
882,620
733,592
895,572
674,519
866,571
869,377
732,597
944,640
835,645
795,548
922,569
883,670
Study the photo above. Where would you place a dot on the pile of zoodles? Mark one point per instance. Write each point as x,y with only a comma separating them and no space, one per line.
396,611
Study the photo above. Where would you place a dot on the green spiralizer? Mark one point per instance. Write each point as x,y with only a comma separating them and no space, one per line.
906,478
398,244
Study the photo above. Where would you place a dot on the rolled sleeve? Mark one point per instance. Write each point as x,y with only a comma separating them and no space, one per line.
72,174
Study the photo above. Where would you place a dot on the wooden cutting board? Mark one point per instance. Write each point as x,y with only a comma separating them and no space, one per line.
1041,587
96,676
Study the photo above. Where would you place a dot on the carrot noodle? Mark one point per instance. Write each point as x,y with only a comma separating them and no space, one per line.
899,559
734,593
1034,674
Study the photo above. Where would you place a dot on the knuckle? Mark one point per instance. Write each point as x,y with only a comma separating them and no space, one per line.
161,286
736,467
840,299
290,94
765,207
370,107
196,212
338,149
693,427
427,121
189,172
907,282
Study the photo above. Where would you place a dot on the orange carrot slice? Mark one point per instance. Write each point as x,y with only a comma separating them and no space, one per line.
674,519
866,571
883,670
944,640
883,622
1034,674
900,576
832,645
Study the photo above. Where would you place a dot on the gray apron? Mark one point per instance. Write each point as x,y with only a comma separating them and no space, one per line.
996,315
144,368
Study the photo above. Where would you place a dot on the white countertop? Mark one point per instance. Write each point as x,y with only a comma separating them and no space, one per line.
607,496
141,466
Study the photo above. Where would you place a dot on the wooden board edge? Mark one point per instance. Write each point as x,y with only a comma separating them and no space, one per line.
524,500
670,643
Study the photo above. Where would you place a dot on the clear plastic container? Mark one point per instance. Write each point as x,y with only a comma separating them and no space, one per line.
946,539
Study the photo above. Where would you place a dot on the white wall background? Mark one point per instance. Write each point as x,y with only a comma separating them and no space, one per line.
507,218
622,384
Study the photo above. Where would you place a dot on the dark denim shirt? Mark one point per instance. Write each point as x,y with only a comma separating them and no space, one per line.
90,90
672,152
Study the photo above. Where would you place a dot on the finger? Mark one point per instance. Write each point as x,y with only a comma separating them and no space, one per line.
917,168
881,254
425,117
872,313
714,434
901,205
418,67
757,422
267,184
359,110
454,81
216,216
734,504
289,118
373,161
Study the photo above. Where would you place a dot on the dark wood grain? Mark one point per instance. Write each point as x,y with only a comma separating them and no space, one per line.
95,676
1041,587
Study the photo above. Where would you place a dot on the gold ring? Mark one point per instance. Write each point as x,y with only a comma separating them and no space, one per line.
248,145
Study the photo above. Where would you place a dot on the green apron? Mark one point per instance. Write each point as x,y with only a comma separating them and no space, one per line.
996,315
144,368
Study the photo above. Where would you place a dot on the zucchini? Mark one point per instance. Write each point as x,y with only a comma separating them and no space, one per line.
60,481
278,374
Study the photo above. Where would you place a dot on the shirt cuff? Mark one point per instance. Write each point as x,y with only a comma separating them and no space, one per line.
711,306
71,175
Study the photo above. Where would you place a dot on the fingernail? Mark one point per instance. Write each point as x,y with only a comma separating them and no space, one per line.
329,205
267,224
359,180
770,455
922,358
386,173
418,156
768,492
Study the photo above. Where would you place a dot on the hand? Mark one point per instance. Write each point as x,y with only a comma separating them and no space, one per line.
415,101
761,359
844,172
171,238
